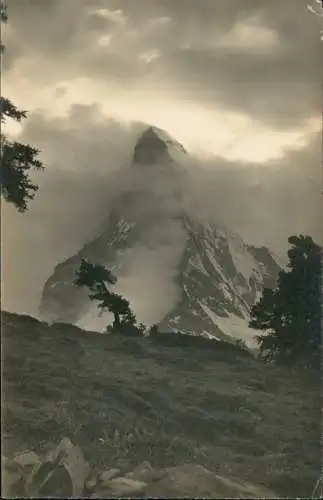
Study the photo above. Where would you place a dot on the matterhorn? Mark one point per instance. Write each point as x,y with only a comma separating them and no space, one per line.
177,271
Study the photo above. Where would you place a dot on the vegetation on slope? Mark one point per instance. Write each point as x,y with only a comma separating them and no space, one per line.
124,400
290,314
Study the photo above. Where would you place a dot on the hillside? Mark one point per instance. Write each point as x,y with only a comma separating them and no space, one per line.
128,400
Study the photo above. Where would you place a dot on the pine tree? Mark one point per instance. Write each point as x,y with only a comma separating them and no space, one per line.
17,159
153,330
96,277
290,314
119,307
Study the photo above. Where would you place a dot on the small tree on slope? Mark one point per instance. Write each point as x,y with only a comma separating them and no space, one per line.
291,313
96,277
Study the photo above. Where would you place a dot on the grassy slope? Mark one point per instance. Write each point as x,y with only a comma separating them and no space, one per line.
126,400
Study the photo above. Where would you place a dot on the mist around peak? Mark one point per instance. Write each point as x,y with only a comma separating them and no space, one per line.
89,171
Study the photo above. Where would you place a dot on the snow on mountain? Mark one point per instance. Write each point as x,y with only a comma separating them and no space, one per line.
236,327
188,276
222,284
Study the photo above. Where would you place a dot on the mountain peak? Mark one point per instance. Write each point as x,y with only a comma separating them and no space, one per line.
152,132
156,146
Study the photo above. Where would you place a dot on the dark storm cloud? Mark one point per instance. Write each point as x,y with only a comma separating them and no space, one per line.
270,88
280,86
65,35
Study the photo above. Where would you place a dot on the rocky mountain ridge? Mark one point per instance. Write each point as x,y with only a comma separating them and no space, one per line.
218,276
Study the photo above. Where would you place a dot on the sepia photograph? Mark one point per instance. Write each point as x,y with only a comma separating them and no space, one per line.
161,248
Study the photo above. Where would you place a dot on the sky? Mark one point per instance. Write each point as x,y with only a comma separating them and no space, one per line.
237,82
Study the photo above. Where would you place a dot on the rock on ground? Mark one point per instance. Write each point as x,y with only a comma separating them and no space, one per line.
62,473
191,480
121,486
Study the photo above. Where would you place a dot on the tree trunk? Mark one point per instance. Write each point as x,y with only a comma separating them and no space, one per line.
116,322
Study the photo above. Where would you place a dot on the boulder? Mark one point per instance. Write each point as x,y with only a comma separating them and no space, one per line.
120,487
91,482
62,473
27,459
318,489
145,472
13,478
106,476
191,480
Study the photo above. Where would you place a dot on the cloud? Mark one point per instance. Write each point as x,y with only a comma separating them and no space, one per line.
217,131
150,266
88,157
237,82
250,36
71,204
253,57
